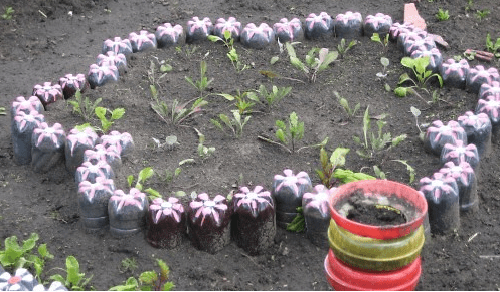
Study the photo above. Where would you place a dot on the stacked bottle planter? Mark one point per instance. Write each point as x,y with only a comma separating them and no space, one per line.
370,257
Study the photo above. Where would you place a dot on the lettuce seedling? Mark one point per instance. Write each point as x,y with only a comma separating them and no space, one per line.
270,98
298,223
116,114
419,69
74,279
148,281
493,47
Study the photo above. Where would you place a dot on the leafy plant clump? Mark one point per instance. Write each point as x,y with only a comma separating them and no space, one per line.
442,15
242,103
419,69
144,175
8,13
148,281
74,280
493,47
203,151
312,65
236,123
342,48
384,42
328,165
375,142
345,105
482,14
202,84
101,112
84,108
269,98
231,54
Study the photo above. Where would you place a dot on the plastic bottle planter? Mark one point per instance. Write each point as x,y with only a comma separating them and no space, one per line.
438,134
47,147
113,59
455,73
21,134
198,29
48,93
478,128
122,141
317,214
444,205
342,277
231,25
257,37
421,44
54,286
287,192
491,107
142,41
412,35
21,104
127,212
166,223
397,28
21,281
478,76
318,26
209,223
435,58
348,25
459,152
118,46
466,180
71,83
288,31
77,142
488,89
168,35
100,75
254,222
379,23
93,199
110,155
90,172
371,246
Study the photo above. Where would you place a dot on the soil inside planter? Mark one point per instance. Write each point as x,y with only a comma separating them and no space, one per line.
372,214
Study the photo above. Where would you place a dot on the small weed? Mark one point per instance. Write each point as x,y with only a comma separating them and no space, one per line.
493,47
329,165
236,123
469,6
74,279
482,14
313,65
203,151
345,105
442,15
8,13
243,105
409,169
84,108
419,69
342,48
416,113
383,75
189,50
231,54
374,143
101,112
169,176
382,41
170,142
128,264
2,111
291,134
148,281
269,98
202,84
378,173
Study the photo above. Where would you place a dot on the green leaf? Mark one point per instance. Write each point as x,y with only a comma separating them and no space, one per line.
57,277
329,58
117,113
415,111
214,38
148,277
168,286
130,180
30,243
100,112
73,271
186,161
398,139
290,50
145,174
226,96
281,135
165,68
380,174
384,61
401,91
130,285
274,60
281,125
153,193
42,250
298,64
408,62
375,37
338,157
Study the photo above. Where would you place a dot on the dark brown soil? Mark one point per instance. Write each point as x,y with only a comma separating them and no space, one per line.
42,42
371,214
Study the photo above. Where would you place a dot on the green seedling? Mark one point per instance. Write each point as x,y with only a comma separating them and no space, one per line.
416,113
493,47
346,176
313,65
159,106
382,41
2,111
383,75
8,13
345,105
180,112
329,165
470,55
170,142
375,142
169,176
442,15
242,103
269,98
342,48
236,123
145,174
148,281
128,264
378,173
203,151
189,50
202,84
482,14
419,69
74,280
84,108
409,169
298,223
231,54
469,6
15,256
116,114
291,134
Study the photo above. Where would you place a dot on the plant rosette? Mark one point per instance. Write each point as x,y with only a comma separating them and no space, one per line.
127,212
477,76
142,41
47,93
22,280
466,180
77,142
491,107
438,134
168,35
379,23
455,73
198,29
490,89
254,220
442,196
288,31
318,26
460,152
317,214
348,25
70,84
288,190
23,125
88,171
47,147
123,142
257,37
118,46
435,58
166,223
93,199
100,152
231,24
21,104
478,128
209,223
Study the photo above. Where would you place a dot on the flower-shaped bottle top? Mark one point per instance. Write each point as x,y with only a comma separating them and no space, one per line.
318,25
203,209
171,208
54,286
48,93
76,137
118,46
379,23
318,200
478,76
28,121
20,104
71,83
257,37
460,152
438,134
434,188
21,281
461,173
288,31
99,75
455,73
168,35
491,107
100,184
134,198
231,25
111,58
347,17
90,172
142,41
48,138
110,155
298,184
253,202
490,89
198,29
122,141
397,28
